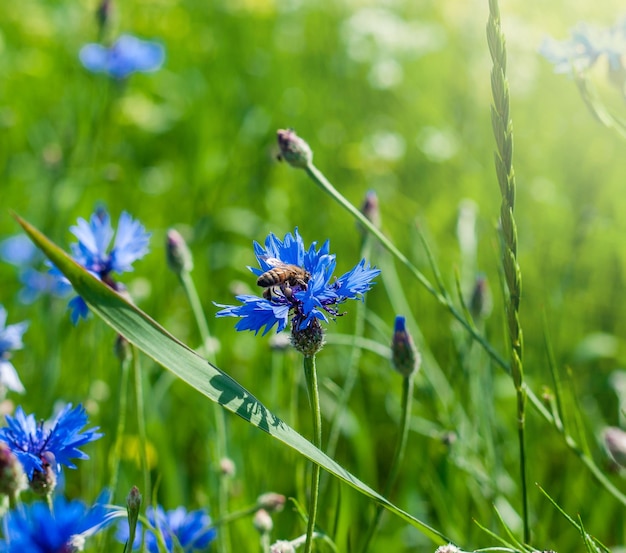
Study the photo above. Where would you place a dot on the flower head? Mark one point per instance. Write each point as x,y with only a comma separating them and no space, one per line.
37,529
10,340
303,286
191,531
20,251
92,250
128,55
585,46
39,445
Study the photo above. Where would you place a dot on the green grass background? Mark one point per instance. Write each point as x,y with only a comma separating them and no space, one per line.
392,96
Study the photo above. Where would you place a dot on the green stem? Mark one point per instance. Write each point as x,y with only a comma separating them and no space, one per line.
316,175
310,374
503,134
114,459
407,400
141,425
537,403
220,444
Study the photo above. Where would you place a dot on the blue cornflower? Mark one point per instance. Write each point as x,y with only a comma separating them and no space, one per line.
39,445
178,528
10,340
128,55
36,528
308,299
21,252
94,237
586,45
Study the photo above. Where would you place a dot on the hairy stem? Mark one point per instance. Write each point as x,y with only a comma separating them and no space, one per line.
310,373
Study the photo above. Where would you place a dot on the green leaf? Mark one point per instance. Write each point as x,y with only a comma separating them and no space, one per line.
146,334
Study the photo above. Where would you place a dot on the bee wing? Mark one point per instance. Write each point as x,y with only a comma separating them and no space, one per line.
273,261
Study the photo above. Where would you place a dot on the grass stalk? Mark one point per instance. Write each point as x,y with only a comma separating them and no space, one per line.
317,176
503,133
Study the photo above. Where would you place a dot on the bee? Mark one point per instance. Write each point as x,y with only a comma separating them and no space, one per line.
281,278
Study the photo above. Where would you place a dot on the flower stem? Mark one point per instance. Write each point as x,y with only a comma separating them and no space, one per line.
319,179
220,444
141,424
114,459
503,133
310,373
407,400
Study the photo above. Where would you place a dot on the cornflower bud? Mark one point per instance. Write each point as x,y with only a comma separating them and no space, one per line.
12,477
404,355
122,349
179,257
310,340
103,14
43,482
479,302
227,467
448,549
282,546
271,501
370,208
262,522
293,149
615,441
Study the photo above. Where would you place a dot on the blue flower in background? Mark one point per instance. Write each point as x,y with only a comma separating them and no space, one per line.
191,531
21,252
10,340
586,45
311,298
39,444
128,55
36,529
91,251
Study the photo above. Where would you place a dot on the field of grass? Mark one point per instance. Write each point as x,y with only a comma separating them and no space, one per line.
392,97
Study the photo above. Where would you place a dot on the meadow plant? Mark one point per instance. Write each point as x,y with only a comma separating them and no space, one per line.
60,526
92,251
126,56
42,448
176,530
453,429
10,340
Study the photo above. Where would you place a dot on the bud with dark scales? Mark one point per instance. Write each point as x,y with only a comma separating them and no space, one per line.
179,257
12,477
271,501
404,355
371,209
293,149
309,340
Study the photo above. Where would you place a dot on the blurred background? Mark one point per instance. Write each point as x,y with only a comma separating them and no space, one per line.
392,96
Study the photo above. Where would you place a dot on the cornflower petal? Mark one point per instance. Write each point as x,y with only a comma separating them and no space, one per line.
127,55
10,340
32,443
18,250
36,528
192,530
131,243
307,302
356,282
